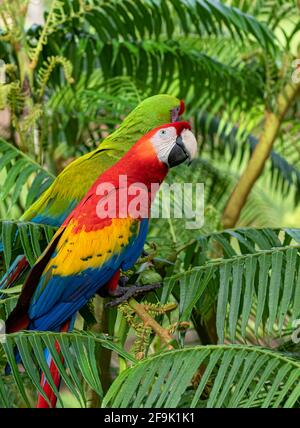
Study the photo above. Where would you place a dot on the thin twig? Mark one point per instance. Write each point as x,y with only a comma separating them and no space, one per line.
164,335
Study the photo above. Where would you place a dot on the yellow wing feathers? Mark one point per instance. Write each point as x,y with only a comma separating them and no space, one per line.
79,251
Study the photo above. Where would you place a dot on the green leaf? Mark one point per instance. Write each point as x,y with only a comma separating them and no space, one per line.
19,168
252,286
242,375
8,237
77,350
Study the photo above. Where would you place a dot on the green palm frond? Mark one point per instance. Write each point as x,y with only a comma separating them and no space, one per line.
17,169
240,241
222,137
265,273
208,376
273,12
154,18
47,68
26,237
144,40
78,351
160,65
104,103
261,208
60,12
7,304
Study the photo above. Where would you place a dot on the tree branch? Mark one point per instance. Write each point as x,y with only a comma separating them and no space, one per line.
259,156
139,309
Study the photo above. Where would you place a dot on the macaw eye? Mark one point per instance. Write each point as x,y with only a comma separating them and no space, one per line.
163,132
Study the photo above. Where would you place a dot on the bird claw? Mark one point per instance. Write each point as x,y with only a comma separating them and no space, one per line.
119,291
123,280
132,291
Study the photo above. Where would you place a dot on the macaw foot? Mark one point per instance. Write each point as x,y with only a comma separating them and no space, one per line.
132,291
115,292
121,288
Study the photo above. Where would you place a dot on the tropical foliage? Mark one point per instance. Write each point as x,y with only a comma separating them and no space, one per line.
221,330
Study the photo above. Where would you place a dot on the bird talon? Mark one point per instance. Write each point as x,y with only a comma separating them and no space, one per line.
116,292
123,281
133,291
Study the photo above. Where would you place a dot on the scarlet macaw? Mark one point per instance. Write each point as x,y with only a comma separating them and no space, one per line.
56,203
89,249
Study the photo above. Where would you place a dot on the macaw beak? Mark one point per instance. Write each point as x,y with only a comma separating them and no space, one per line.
185,147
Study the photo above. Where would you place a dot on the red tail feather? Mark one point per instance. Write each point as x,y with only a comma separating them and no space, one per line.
41,402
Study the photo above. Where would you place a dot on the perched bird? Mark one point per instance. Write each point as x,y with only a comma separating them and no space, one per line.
56,203
103,235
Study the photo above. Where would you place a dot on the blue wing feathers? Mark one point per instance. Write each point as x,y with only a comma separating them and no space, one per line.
135,248
57,297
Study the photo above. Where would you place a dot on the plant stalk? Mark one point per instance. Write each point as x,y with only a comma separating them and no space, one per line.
273,121
164,335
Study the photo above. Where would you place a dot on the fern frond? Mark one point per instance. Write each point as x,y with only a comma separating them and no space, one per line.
29,238
19,168
78,351
161,65
167,17
12,97
230,376
7,304
31,119
221,136
266,274
47,68
275,13
57,16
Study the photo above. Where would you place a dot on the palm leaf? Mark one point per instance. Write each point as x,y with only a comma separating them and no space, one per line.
152,17
78,351
223,137
230,376
26,237
19,169
275,13
265,272
7,304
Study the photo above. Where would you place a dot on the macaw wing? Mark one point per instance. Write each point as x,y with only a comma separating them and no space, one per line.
82,263
18,318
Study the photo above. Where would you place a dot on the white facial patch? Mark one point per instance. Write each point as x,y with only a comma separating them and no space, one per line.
163,142
190,143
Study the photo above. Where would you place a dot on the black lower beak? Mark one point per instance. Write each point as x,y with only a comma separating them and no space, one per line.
178,154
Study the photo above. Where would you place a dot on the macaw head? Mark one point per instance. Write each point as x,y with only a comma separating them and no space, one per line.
154,111
149,159
159,109
174,143
149,114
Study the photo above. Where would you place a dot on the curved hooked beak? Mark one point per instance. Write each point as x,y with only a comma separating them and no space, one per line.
185,147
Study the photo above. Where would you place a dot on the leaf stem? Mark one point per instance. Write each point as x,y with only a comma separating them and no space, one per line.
272,124
164,335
